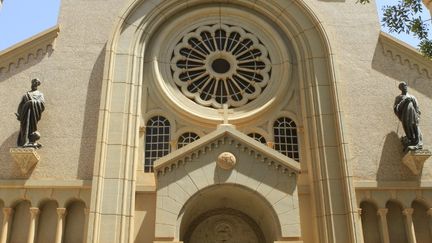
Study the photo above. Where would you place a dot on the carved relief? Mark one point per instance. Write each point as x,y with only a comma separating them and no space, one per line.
226,160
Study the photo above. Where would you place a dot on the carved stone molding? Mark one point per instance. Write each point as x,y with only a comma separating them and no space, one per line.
226,160
415,159
34,47
26,158
405,55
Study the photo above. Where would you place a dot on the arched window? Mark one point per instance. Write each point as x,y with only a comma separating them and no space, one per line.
285,137
257,137
157,141
370,223
187,138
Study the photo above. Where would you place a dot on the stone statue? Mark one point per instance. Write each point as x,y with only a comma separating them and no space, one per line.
29,113
407,110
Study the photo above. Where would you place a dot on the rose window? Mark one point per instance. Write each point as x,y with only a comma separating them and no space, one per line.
221,64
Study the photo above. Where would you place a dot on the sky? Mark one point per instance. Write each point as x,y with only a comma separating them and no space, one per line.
21,19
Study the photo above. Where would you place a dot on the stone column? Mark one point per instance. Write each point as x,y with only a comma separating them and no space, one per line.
409,227
429,213
360,222
61,213
86,222
382,213
7,220
34,214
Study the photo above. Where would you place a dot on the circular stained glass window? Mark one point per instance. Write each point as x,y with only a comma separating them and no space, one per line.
221,64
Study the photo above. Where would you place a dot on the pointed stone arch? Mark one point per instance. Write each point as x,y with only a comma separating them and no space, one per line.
328,176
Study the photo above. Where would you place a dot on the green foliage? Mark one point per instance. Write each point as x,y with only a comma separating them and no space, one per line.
404,16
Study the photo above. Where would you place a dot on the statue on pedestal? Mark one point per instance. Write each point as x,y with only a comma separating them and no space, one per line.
29,113
407,110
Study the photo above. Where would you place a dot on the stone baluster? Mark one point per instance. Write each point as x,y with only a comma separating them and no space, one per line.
34,214
409,226
382,213
7,220
61,213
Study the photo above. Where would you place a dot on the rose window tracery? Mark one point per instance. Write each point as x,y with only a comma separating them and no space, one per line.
221,64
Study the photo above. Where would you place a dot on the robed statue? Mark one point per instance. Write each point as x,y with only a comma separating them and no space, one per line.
29,113
407,110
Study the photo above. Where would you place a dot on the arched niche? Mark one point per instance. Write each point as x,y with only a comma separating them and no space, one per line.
130,68
370,223
75,222
47,222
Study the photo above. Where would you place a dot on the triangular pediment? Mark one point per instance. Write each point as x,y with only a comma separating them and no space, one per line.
226,134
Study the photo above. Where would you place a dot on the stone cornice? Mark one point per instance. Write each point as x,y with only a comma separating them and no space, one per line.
226,135
405,54
32,47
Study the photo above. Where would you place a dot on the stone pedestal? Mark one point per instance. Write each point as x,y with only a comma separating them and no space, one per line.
26,158
415,159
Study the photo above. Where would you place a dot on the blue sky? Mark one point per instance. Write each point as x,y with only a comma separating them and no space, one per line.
21,19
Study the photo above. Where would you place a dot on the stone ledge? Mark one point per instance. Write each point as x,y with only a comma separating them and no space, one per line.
26,158
415,159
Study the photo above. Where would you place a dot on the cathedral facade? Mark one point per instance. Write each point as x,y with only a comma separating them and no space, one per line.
215,121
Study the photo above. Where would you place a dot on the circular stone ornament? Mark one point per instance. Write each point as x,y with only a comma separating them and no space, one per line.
226,160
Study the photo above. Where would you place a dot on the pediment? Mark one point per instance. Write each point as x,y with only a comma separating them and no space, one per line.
226,135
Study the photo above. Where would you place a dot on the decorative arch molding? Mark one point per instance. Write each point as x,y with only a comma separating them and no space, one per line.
126,84
264,215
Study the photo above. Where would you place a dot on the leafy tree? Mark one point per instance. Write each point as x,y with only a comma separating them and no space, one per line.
404,16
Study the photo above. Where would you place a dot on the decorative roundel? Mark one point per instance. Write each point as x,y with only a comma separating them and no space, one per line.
221,64
226,160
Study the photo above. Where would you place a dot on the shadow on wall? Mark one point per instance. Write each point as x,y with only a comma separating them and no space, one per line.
91,119
400,69
391,167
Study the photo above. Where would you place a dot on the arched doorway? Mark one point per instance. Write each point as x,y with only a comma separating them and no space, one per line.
228,213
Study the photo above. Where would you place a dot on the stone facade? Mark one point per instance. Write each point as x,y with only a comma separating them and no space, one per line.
143,97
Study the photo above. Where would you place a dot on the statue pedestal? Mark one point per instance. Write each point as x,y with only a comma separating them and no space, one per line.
415,159
26,158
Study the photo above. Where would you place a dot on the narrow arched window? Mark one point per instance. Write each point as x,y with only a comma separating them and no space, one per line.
260,138
187,138
285,137
157,141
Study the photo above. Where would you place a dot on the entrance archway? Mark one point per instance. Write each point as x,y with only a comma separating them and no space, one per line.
228,213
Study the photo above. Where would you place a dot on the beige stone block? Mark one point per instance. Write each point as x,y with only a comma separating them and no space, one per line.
176,192
284,205
65,195
114,165
121,72
296,14
37,196
197,174
113,192
170,205
119,97
117,124
164,230
11,196
165,217
107,226
184,181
